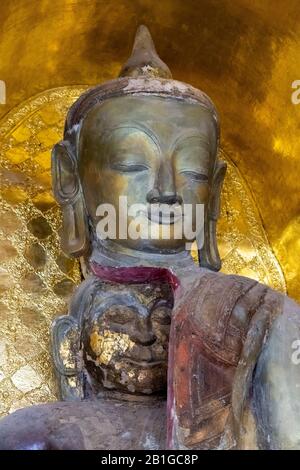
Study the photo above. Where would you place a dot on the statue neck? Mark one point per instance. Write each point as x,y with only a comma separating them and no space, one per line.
110,254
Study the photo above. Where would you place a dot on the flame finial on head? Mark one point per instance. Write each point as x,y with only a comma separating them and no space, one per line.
144,73
144,60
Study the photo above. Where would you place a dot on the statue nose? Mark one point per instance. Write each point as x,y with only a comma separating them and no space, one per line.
157,197
144,334
145,339
170,198
164,191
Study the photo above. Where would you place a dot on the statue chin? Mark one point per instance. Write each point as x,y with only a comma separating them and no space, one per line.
130,377
151,236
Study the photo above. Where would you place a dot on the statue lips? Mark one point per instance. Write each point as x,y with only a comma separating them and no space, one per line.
144,364
165,214
144,356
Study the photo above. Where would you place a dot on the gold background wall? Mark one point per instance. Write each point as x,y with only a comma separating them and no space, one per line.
243,53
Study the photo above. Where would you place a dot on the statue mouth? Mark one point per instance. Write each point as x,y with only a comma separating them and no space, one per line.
165,214
143,364
162,214
162,219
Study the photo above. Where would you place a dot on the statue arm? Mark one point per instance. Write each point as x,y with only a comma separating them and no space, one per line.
276,391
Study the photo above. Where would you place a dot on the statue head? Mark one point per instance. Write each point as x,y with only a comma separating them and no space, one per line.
120,345
143,139
125,345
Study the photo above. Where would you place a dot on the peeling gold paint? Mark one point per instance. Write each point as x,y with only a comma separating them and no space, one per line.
65,352
107,344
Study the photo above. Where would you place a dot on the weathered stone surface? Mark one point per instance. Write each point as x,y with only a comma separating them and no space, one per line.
107,424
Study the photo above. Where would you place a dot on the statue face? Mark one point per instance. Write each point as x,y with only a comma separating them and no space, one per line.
126,343
157,152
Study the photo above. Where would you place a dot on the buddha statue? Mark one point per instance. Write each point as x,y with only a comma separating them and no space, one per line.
156,351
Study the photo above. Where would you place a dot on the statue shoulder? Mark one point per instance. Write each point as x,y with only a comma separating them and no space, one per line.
221,307
236,293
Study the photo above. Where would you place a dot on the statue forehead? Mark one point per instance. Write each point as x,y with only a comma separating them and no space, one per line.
167,118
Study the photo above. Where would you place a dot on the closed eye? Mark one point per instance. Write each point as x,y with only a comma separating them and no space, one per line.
129,167
195,176
119,314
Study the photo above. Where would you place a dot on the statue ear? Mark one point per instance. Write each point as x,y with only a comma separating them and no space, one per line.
65,342
68,193
209,254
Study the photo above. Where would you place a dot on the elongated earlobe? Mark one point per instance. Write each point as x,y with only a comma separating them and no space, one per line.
65,342
68,193
209,254
65,331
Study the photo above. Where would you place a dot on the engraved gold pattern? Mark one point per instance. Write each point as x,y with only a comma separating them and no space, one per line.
32,267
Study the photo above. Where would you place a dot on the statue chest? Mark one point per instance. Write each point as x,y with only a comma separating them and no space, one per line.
209,328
